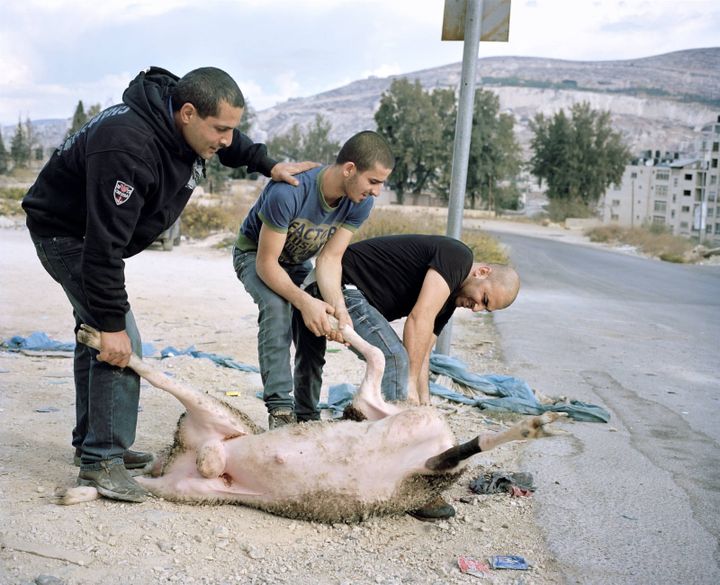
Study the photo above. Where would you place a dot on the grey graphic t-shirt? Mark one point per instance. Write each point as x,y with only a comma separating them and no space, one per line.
303,214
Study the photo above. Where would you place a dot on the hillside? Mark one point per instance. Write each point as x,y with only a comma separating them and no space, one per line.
658,102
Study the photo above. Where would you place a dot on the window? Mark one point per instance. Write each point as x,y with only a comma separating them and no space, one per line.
713,164
672,214
717,228
658,219
662,176
615,202
661,190
614,217
688,177
660,206
713,179
683,225
633,175
711,212
686,193
685,209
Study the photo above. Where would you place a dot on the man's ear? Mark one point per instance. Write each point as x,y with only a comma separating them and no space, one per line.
186,112
480,271
349,169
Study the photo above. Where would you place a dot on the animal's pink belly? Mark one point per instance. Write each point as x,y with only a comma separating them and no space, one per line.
318,466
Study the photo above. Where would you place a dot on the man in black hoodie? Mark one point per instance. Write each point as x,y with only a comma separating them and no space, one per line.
106,194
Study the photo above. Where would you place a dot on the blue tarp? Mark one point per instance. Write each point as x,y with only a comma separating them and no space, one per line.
221,360
513,394
39,341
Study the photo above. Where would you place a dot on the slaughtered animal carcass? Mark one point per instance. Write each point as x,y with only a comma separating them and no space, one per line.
397,459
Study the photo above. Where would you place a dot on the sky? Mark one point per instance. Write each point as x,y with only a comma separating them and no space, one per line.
56,52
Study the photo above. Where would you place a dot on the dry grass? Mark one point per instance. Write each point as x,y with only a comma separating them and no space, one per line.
389,221
214,214
201,219
654,241
10,198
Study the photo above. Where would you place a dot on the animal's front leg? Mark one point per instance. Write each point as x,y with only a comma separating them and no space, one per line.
533,428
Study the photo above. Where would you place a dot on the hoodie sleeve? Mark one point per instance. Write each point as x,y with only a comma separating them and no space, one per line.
244,152
117,185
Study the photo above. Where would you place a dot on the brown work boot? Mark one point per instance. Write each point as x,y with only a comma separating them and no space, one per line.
437,509
281,417
113,481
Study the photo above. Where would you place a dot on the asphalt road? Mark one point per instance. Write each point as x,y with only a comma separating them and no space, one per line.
636,500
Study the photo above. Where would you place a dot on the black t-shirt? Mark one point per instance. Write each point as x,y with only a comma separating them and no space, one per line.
390,271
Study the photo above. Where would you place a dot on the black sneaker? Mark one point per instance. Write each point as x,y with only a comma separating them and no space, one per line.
280,418
438,509
113,481
131,459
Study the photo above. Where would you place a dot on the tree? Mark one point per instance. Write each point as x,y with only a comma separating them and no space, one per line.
245,124
79,119
317,144
19,147
494,154
314,143
417,132
93,111
579,157
4,157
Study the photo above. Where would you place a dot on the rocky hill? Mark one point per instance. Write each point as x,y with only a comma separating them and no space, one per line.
657,102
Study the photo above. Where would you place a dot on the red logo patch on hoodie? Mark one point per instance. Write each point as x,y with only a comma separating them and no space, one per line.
122,192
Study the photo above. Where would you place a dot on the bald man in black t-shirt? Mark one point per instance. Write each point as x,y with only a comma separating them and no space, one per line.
424,278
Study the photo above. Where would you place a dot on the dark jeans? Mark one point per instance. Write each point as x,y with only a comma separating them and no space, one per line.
276,325
106,397
373,328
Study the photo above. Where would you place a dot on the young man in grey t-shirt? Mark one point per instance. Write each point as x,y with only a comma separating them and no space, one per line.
286,227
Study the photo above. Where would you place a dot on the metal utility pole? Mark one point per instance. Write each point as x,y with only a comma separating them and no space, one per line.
492,18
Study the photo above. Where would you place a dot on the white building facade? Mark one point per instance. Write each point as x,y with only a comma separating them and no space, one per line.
679,191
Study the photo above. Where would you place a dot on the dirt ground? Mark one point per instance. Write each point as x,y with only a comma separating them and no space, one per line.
190,296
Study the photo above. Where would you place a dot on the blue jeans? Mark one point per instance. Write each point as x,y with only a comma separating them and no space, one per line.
276,326
106,397
373,328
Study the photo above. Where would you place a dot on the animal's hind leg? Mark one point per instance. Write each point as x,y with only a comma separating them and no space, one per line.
206,410
533,428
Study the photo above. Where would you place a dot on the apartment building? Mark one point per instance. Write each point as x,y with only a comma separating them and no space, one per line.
671,188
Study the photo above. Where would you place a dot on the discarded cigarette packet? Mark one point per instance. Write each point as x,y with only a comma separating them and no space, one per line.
509,562
473,567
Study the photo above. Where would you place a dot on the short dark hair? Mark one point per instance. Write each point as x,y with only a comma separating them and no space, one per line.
205,88
365,149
